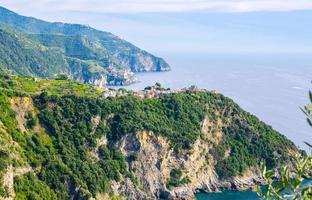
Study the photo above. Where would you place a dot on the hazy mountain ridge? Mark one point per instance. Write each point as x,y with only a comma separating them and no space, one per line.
95,57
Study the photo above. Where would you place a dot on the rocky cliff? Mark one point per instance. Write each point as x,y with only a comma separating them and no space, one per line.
155,160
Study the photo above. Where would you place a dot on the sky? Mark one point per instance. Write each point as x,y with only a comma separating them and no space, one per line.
198,26
143,6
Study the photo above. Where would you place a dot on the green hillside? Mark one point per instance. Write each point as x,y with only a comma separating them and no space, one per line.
51,131
34,47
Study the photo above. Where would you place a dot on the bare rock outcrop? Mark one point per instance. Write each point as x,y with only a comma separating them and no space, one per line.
151,158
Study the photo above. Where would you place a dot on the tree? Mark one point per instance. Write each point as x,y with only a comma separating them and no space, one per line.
62,77
30,120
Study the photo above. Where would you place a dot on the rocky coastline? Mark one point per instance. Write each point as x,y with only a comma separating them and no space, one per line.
155,160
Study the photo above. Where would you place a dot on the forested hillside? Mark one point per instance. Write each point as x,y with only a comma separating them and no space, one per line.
42,49
63,140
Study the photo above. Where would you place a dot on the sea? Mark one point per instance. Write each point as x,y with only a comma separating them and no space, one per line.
272,86
242,195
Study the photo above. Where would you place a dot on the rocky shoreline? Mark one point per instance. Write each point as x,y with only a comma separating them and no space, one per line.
237,184
155,160
117,78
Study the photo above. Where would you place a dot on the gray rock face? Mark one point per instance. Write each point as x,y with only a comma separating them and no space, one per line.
129,190
97,81
143,62
155,159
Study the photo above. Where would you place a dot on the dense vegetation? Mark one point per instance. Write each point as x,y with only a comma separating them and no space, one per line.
65,165
22,56
69,162
29,46
30,187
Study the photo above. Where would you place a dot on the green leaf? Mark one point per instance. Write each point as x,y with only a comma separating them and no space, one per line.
269,174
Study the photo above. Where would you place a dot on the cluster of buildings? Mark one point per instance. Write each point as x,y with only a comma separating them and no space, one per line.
155,91
113,93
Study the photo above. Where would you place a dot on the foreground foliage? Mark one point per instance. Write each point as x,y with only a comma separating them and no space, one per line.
291,181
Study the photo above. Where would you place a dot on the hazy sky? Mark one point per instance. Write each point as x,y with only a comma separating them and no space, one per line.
139,6
188,25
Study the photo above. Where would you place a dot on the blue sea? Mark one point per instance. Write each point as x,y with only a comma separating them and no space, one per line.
228,195
237,195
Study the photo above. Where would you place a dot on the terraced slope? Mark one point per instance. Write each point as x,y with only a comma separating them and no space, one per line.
47,50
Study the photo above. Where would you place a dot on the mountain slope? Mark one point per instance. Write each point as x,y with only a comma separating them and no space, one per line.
66,144
23,56
83,49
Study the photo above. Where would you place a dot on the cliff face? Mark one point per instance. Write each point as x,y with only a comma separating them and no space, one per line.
142,62
155,159
21,106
